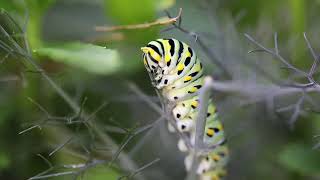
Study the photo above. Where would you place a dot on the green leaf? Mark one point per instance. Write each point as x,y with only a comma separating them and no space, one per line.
12,5
165,4
38,6
101,173
124,12
131,12
91,58
298,15
300,158
4,160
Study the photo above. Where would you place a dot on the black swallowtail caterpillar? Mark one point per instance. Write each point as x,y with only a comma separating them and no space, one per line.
177,74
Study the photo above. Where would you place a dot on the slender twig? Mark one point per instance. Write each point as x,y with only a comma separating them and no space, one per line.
39,106
95,112
114,129
296,109
45,160
315,58
147,135
316,146
247,88
159,22
52,175
60,146
130,136
275,37
130,176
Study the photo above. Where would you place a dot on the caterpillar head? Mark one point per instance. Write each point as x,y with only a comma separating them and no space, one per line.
160,57
153,61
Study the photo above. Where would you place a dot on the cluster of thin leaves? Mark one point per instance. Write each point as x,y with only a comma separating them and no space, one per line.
16,46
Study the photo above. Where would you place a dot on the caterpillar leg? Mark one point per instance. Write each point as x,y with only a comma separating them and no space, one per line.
207,169
215,174
218,158
171,128
182,146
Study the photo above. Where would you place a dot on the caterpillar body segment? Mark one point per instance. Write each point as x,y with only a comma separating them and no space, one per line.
176,94
177,74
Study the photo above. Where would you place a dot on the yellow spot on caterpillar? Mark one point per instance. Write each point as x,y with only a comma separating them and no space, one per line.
210,132
215,177
216,157
188,54
180,67
212,109
193,89
167,58
187,78
194,103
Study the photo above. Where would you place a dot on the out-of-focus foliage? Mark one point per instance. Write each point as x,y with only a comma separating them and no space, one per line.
300,158
132,11
92,58
264,150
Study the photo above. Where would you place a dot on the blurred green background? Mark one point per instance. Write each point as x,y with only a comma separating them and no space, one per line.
97,66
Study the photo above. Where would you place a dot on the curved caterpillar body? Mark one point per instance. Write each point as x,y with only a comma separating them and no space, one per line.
177,74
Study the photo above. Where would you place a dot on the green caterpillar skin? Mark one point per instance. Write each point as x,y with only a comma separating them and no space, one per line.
177,73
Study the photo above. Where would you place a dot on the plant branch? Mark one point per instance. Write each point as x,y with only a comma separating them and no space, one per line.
158,22
275,53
